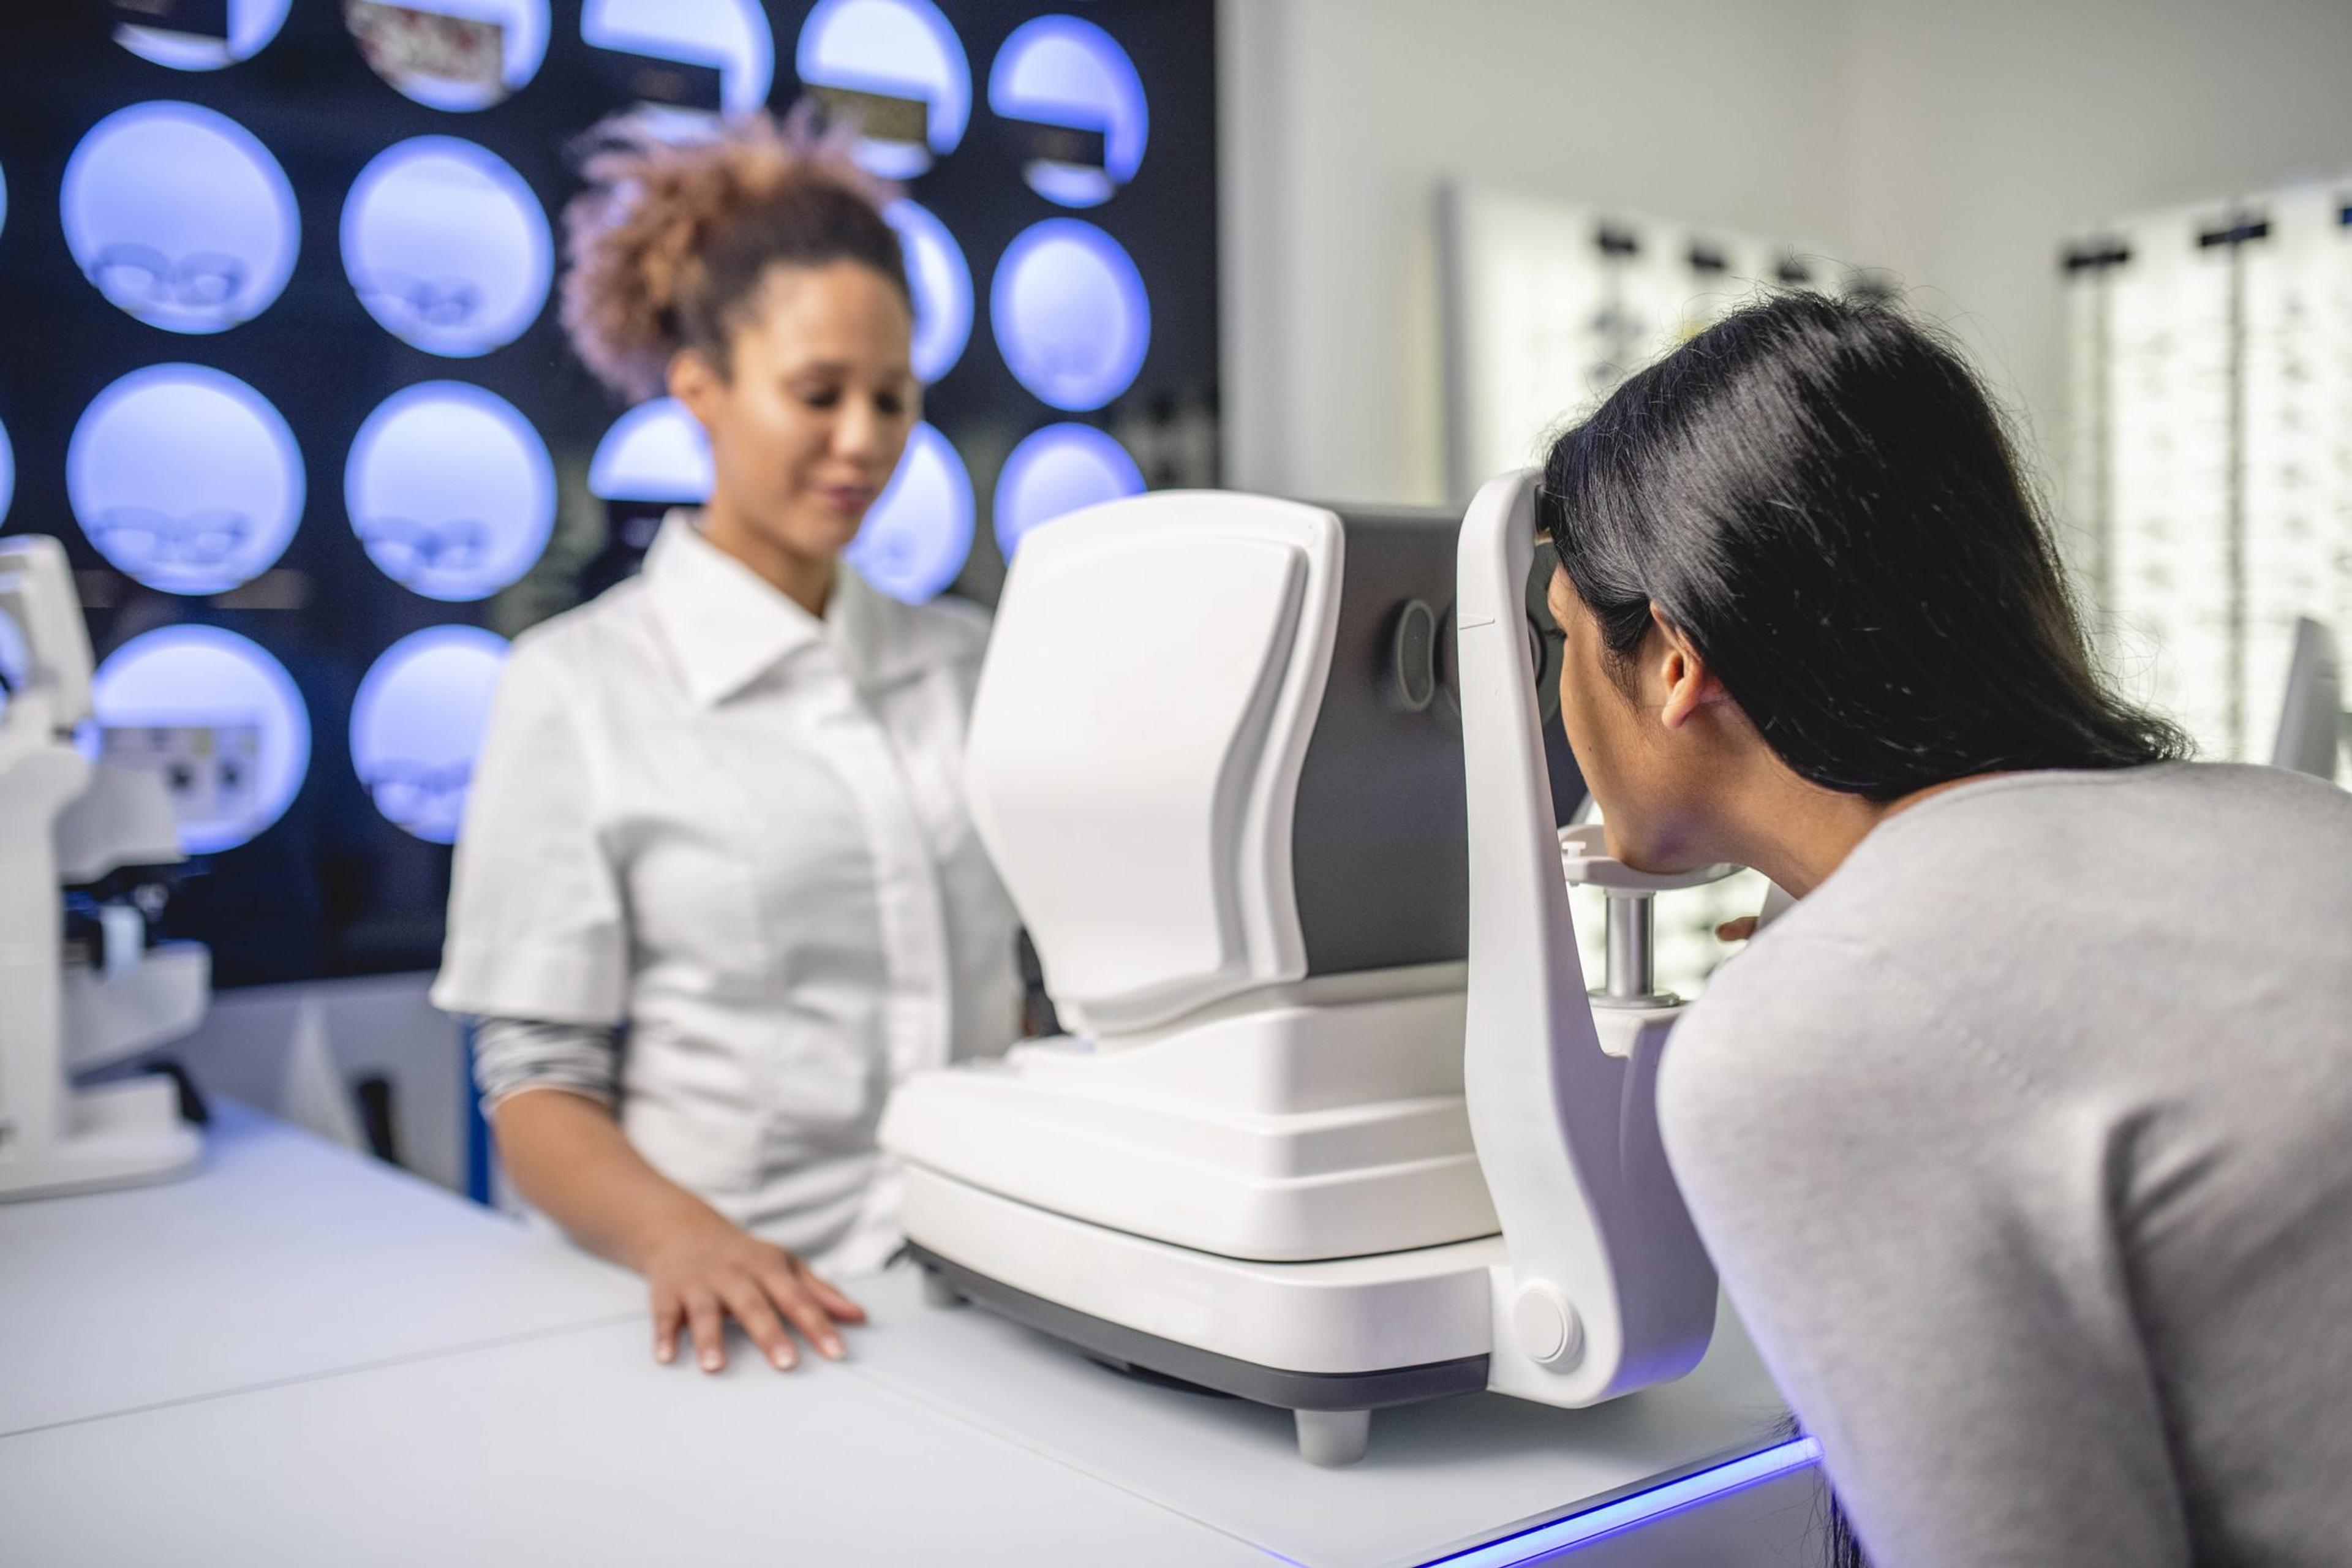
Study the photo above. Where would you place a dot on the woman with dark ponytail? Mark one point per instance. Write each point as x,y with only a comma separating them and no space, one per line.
2024,1141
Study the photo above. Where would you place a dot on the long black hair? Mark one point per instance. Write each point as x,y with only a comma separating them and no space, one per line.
1818,494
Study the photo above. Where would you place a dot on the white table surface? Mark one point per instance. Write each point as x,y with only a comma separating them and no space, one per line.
1439,1475
299,1356
572,1449
283,1256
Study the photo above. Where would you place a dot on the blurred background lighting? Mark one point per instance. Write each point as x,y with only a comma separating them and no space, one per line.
895,50
942,285
417,723
251,25
185,478
1061,71
450,491
1059,469
180,217
918,533
731,34
457,79
1070,313
656,452
251,747
446,247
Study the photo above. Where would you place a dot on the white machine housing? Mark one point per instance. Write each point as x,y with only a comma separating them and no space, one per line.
1335,1127
2313,725
65,822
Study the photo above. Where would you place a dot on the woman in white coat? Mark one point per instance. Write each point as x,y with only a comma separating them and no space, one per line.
717,889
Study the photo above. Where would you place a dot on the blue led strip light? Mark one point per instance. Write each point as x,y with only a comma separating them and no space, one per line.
1626,1514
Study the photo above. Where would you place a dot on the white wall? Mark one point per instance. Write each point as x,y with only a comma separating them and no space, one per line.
1959,144
1342,116
1984,134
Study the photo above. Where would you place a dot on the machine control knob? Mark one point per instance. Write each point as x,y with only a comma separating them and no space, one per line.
1412,658
1548,1329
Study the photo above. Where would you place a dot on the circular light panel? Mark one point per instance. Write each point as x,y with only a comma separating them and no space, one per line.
892,48
8,474
656,452
240,778
522,46
417,723
180,218
450,490
251,25
446,247
1070,313
1059,70
732,34
185,478
1055,470
918,533
941,282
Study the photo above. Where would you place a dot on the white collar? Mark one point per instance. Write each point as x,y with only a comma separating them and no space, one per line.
728,626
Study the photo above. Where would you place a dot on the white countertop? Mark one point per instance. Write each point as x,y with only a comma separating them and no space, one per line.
282,1257
299,1356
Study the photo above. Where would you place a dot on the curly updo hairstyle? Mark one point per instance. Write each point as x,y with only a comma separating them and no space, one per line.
672,242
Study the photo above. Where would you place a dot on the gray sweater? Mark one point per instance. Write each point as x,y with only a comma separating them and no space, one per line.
2025,1146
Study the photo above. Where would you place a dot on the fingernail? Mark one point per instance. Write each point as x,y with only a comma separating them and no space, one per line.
664,1354
710,1361
785,1360
832,1349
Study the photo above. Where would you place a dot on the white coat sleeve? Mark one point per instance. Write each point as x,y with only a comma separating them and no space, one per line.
537,927
1921,1241
511,1055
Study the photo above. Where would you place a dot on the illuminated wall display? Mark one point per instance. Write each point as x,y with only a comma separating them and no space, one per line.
1059,469
732,34
347,211
180,218
417,723
918,533
1070,313
1061,71
901,50
942,285
448,247
657,452
219,717
185,478
251,25
427,50
450,490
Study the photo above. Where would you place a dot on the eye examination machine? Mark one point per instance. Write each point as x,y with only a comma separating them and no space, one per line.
1336,1125
86,853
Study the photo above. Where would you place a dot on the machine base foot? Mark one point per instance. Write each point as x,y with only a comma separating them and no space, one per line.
1333,1438
116,1135
938,1291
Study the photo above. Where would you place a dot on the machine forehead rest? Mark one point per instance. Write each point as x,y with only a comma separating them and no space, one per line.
1209,752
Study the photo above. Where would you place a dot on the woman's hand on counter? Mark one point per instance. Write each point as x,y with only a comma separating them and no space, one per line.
568,1157
710,1271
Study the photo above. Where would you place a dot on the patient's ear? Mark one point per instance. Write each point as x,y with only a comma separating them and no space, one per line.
1687,683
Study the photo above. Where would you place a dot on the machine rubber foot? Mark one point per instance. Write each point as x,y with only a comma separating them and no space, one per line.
937,1292
1333,1438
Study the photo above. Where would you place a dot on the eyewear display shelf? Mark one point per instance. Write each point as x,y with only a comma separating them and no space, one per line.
298,1356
